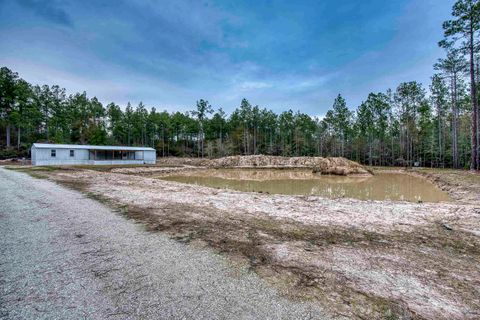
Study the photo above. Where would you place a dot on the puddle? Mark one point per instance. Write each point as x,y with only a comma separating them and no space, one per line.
382,186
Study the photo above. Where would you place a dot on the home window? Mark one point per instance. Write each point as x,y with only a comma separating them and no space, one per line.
72,153
53,153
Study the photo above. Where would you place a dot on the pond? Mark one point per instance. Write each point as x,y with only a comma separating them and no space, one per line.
382,186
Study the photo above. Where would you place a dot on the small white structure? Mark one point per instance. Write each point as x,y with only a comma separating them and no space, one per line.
44,154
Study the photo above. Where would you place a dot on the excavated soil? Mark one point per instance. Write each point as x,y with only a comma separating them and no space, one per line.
330,165
358,259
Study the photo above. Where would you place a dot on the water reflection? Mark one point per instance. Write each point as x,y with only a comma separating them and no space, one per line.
383,186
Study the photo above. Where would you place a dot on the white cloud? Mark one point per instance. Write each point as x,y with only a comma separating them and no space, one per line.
253,85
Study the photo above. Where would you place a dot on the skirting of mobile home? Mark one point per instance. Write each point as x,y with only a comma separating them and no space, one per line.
44,154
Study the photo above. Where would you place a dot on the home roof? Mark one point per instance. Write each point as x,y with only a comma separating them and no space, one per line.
89,147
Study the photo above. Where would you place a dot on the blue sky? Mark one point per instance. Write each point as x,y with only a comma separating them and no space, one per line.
277,54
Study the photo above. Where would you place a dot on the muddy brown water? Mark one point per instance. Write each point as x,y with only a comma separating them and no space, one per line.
382,186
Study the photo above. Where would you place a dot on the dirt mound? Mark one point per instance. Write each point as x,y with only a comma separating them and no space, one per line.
178,161
330,165
340,166
337,166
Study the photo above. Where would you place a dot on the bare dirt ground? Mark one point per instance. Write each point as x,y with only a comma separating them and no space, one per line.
356,259
65,256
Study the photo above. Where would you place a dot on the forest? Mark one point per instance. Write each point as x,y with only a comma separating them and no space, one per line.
414,124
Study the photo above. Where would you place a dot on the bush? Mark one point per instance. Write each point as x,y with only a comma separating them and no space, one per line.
8,153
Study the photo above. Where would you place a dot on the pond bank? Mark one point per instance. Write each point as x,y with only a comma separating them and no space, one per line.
462,185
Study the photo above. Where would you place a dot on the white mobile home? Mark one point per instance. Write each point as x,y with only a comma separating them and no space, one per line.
44,154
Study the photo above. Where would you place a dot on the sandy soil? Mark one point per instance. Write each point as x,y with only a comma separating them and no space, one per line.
65,256
328,165
359,259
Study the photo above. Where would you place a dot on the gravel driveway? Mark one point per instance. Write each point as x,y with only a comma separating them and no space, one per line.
64,256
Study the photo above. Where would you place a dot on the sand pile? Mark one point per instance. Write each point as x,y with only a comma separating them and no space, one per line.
337,166
186,161
340,166
330,165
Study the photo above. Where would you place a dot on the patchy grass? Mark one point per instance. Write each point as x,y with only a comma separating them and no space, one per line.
35,172
108,168
101,168
31,168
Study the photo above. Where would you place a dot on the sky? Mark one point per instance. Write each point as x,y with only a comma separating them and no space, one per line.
280,55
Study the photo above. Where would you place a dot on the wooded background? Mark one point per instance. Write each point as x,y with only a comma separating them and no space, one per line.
435,125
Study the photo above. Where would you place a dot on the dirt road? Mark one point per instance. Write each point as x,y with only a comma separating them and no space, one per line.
65,256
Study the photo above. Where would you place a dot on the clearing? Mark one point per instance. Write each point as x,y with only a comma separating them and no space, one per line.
353,258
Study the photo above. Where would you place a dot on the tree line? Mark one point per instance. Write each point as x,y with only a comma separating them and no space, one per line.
433,126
